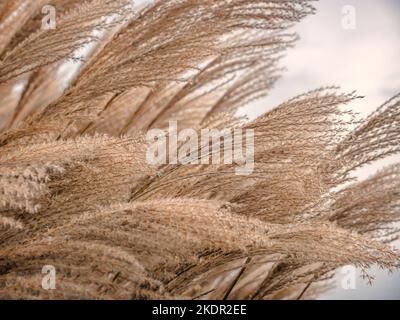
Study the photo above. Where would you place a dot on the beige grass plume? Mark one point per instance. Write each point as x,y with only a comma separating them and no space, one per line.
77,193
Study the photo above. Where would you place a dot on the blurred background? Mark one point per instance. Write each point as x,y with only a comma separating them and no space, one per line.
363,56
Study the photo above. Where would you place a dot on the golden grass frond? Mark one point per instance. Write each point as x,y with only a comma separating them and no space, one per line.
75,30
78,193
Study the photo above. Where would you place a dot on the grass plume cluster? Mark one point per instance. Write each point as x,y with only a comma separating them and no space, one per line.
77,193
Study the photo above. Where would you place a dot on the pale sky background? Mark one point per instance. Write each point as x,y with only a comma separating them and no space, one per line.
365,59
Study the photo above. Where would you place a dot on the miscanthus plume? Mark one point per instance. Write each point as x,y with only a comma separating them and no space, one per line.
77,193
